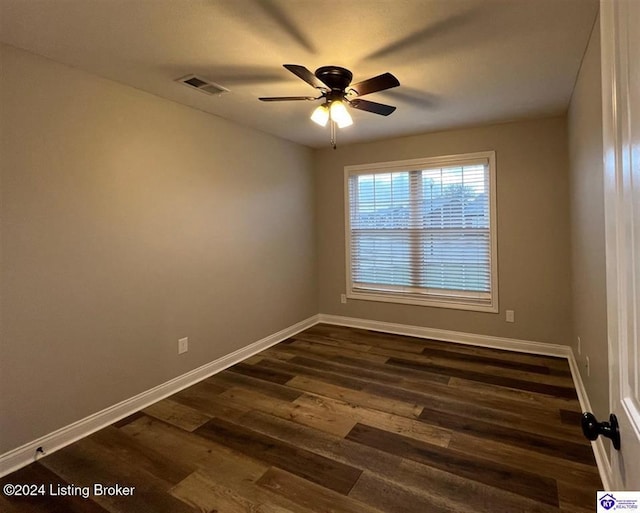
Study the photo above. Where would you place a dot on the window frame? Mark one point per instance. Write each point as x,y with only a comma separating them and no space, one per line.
420,164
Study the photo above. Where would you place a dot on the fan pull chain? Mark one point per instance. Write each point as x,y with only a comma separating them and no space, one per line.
333,133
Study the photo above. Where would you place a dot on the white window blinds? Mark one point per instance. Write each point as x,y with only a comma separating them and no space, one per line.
423,234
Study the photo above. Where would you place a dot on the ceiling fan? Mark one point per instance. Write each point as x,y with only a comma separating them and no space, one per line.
334,85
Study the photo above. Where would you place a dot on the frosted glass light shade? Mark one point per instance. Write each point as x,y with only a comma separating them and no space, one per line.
340,115
320,115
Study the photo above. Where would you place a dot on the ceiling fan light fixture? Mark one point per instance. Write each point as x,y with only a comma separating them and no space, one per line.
320,115
340,115
332,82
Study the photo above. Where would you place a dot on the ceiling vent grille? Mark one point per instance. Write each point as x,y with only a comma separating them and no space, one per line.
203,85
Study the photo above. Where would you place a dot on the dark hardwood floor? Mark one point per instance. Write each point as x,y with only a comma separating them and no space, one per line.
342,420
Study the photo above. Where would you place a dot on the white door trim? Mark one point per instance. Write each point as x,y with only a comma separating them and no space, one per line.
620,46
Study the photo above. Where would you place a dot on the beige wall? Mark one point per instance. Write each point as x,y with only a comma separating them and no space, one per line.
127,222
533,230
587,228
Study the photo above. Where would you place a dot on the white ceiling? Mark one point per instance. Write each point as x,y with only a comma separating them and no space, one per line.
459,62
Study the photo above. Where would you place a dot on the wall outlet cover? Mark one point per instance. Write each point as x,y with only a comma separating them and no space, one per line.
183,345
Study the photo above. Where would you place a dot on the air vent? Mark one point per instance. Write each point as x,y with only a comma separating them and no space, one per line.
203,85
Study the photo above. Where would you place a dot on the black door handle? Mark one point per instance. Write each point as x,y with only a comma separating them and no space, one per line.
592,428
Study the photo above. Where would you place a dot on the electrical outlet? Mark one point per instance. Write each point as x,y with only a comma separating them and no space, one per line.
579,346
183,345
510,317
343,298
588,366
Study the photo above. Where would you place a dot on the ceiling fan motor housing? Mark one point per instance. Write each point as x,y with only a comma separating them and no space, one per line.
337,78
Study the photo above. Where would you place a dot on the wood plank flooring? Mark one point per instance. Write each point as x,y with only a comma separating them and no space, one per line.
342,420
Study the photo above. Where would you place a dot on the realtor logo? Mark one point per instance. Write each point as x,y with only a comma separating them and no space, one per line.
612,501
608,501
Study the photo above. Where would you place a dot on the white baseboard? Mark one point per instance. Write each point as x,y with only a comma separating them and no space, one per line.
602,460
458,337
26,454
523,346
22,456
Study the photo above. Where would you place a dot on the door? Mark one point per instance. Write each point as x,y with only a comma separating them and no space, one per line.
620,32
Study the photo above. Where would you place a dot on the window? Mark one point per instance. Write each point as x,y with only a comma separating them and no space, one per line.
423,232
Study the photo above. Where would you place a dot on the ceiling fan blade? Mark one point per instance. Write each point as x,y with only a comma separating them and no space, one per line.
286,98
375,84
306,75
376,108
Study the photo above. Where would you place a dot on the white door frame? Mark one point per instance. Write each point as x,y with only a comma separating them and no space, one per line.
620,42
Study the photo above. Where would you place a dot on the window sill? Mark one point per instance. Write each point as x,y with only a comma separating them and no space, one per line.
453,303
